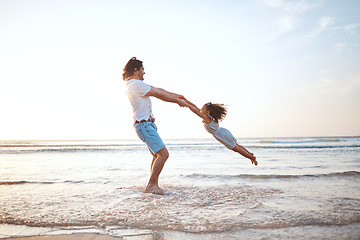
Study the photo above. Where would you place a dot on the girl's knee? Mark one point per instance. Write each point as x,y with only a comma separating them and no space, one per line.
236,148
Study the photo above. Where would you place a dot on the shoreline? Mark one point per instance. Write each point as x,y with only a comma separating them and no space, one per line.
77,236
347,231
22,232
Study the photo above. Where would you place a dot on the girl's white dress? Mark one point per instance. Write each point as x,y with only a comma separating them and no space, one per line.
221,134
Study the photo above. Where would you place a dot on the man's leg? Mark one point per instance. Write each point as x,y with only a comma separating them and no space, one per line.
157,166
147,132
152,163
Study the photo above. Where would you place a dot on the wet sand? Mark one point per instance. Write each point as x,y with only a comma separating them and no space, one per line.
71,237
80,237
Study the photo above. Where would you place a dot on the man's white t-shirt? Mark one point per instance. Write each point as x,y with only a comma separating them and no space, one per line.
141,104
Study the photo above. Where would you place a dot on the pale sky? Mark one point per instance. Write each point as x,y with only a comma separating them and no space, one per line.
284,68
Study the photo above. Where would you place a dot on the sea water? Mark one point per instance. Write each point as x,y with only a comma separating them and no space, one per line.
302,188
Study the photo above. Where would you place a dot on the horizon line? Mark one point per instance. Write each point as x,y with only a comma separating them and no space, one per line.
193,138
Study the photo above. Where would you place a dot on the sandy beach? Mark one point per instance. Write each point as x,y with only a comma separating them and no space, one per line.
72,237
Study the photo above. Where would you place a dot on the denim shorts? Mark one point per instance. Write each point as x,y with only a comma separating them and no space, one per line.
147,132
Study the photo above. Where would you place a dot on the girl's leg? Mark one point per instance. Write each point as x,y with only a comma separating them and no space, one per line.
244,152
244,149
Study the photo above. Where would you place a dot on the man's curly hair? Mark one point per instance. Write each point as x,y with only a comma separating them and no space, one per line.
130,67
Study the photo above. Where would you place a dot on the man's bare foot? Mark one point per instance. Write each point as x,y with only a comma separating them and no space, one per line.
154,190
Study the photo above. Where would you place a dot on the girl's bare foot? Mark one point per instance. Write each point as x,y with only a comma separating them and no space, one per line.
254,160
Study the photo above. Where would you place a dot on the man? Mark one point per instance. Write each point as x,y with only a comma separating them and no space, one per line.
139,94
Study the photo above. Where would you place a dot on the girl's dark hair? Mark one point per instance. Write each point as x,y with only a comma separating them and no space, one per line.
217,111
130,67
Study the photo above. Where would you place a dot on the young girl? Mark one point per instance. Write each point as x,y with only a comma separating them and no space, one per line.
211,115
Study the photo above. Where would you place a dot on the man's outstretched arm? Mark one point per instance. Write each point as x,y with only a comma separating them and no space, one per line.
174,95
166,96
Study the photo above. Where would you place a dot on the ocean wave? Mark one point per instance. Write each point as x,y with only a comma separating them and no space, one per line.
335,142
182,208
303,140
21,182
19,147
303,146
12,182
44,149
263,144
177,210
353,174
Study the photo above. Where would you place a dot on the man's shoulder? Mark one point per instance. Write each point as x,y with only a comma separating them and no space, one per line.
131,81
135,82
135,85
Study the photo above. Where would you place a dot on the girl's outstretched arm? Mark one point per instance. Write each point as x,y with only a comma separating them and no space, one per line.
191,104
198,112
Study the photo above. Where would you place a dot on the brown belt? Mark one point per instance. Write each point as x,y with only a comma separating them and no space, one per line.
142,121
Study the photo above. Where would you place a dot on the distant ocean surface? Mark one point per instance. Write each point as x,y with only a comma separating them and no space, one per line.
303,188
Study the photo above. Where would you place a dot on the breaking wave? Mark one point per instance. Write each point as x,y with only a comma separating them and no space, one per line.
353,174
